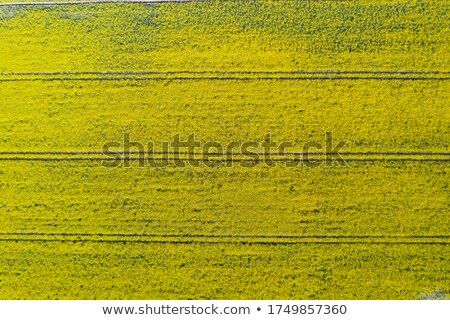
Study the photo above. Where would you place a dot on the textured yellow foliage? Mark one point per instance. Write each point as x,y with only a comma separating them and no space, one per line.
74,77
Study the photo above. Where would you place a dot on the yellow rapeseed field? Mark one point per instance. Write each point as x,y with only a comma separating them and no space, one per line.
374,74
